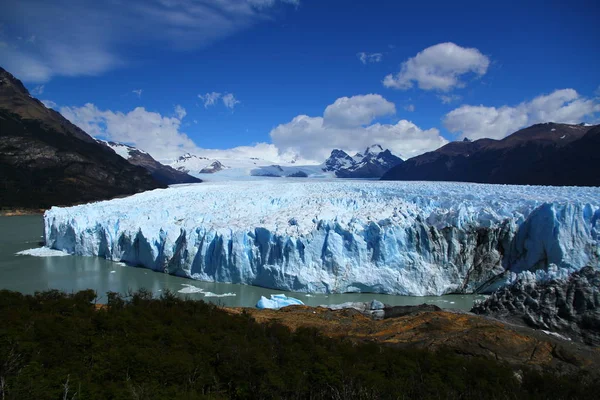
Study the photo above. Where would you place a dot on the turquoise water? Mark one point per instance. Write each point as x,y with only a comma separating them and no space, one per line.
29,274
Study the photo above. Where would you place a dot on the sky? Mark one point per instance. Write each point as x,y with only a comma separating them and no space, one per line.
284,79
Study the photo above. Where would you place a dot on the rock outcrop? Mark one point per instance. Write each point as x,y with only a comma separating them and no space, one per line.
569,307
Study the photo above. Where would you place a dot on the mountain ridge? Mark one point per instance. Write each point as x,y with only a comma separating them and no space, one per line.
45,160
542,154
162,173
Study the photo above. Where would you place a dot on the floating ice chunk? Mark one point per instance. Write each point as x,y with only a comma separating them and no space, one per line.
277,301
189,289
43,252
211,294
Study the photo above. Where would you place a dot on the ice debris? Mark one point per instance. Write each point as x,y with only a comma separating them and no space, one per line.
277,301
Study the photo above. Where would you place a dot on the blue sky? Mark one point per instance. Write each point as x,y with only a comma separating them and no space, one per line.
456,69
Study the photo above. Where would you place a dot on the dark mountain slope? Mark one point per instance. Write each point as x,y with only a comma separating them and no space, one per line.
543,154
45,160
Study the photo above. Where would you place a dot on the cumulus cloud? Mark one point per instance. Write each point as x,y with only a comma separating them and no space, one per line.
348,112
367,58
150,131
159,135
230,101
439,67
564,106
100,33
347,124
263,151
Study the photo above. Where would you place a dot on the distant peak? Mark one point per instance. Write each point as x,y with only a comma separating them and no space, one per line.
186,156
466,140
337,153
7,80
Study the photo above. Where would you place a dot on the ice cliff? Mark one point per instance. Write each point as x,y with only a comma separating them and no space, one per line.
410,238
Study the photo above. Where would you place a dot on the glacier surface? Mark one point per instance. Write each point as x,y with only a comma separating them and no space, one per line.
408,238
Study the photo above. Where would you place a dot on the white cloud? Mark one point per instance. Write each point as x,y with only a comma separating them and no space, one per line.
564,106
101,33
410,108
366,58
38,90
264,151
149,131
49,103
180,112
439,67
597,91
450,98
347,112
230,101
210,98
158,135
138,92
313,138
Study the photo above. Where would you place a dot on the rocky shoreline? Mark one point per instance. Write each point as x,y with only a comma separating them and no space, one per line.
428,327
569,307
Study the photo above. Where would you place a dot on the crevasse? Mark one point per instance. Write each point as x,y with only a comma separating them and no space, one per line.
409,238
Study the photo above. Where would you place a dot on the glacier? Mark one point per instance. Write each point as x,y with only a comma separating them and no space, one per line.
404,238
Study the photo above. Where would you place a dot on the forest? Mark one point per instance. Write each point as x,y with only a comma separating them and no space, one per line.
55,345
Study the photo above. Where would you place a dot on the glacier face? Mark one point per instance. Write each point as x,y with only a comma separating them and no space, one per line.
410,238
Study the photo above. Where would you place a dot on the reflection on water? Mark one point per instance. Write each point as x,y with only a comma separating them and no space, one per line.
28,274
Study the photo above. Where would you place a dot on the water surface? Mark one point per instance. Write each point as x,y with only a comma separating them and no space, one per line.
29,274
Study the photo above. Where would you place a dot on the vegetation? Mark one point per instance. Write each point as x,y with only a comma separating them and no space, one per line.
59,346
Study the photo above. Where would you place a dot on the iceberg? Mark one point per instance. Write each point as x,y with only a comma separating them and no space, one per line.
404,238
277,301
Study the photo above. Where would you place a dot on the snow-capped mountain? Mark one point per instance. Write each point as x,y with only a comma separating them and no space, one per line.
373,163
160,172
242,168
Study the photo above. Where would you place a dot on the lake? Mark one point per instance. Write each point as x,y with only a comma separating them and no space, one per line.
28,274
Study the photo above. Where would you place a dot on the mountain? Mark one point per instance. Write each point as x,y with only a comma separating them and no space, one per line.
45,160
374,163
543,154
162,173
